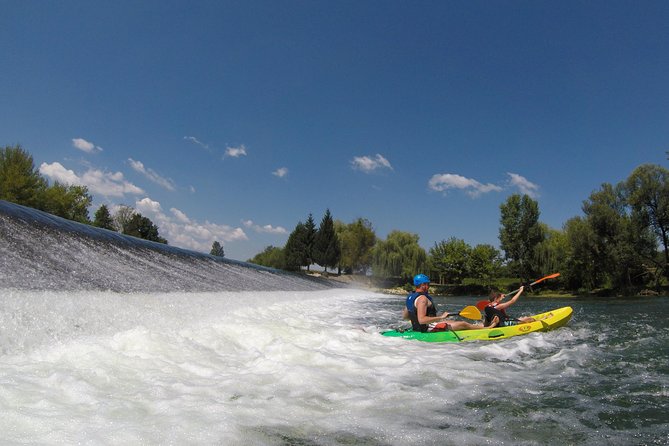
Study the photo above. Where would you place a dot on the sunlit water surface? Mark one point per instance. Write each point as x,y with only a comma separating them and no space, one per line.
310,368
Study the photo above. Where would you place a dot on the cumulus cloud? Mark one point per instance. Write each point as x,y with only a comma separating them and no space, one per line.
85,146
107,184
181,230
280,172
235,152
523,184
443,182
267,229
368,164
151,174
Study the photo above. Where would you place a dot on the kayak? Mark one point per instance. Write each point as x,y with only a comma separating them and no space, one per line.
549,320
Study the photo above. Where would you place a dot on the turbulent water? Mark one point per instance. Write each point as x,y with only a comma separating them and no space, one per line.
307,366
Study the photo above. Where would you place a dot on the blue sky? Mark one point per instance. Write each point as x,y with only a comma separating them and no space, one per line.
232,121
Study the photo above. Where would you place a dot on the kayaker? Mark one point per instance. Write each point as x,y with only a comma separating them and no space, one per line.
495,311
422,311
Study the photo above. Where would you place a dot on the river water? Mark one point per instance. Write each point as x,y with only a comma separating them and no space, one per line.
310,368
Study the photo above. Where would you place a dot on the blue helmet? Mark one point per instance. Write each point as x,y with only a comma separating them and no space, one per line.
420,279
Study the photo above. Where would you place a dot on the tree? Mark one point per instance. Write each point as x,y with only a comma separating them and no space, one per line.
297,247
20,182
357,241
581,271
484,263
217,249
309,239
399,255
272,257
326,250
450,259
520,233
122,217
551,253
648,194
103,219
143,227
70,202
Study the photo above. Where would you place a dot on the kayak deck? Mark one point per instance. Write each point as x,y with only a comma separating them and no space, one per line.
549,320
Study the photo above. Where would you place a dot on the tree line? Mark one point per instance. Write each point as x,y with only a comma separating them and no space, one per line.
621,241
22,183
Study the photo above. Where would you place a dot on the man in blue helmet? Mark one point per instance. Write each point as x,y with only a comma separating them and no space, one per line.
422,311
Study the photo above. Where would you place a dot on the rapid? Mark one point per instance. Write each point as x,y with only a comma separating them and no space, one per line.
298,362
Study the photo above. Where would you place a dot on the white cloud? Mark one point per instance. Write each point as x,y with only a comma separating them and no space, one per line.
266,229
152,175
445,181
98,182
180,216
182,231
85,146
194,140
280,172
58,172
235,152
367,164
524,185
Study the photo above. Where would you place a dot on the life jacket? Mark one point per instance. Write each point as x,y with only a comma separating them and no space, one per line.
491,312
413,315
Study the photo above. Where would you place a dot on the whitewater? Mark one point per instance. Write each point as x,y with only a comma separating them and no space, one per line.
292,361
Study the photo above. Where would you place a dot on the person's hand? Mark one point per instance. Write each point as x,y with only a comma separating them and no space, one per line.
444,315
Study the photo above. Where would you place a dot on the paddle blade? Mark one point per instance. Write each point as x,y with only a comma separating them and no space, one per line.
471,312
481,304
552,276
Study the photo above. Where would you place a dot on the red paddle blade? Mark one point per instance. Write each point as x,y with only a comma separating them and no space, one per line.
481,304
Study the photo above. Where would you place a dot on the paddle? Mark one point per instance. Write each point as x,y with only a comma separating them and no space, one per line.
469,312
480,305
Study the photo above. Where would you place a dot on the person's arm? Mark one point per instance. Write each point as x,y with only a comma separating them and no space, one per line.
421,312
405,314
513,300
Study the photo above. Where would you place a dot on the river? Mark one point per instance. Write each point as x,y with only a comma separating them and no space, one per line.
310,368
110,340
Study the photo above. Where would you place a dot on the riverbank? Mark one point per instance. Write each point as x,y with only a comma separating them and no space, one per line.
386,287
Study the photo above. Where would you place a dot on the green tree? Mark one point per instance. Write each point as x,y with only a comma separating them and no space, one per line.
20,182
648,194
619,241
520,233
550,254
357,241
326,251
103,219
122,217
272,257
581,272
485,262
309,240
296,251
217,249
399,255
449,259
70,202
143,227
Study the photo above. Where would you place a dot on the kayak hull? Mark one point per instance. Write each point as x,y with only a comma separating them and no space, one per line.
549,320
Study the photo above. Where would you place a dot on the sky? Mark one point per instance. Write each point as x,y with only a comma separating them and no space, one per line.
233,121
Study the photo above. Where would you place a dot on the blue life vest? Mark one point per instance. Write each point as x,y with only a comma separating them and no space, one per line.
411,308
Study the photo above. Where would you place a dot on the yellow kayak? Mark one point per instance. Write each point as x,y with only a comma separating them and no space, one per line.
542,322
